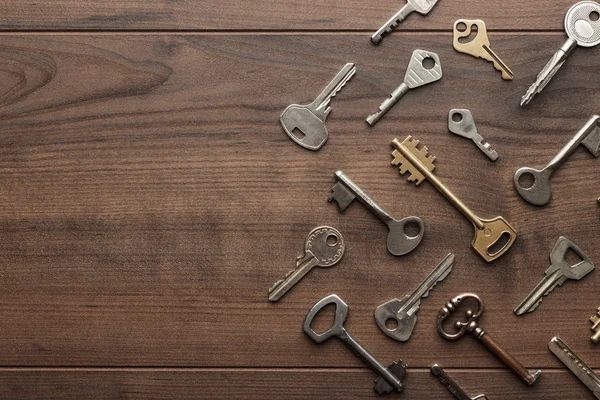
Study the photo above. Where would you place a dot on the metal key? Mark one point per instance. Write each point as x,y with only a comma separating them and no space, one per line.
559,272
324,248
460,122
310,119
389,378
404,312
540,193
417,75
421,6
576,365
471,326
480,46
488,233
583,30
398,242
452,386
596,326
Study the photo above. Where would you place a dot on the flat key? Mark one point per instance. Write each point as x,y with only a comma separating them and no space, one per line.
389,379
582,30
423,7
480,46
496,232
576,365
324,248
596,327
540,192
398,242
417,75
404,312
559,272
309,120
471,326
452,386
460,122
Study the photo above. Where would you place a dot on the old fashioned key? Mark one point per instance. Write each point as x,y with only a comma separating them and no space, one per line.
480,46
568,357
324,248
421,6
389,379
489,234
471,326
461,123
452,386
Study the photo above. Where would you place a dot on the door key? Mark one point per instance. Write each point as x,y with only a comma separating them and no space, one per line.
421,6
576,365
452,386
460,122
596,326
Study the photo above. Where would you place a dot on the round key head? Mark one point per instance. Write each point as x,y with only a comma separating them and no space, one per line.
540,192
399,242
398,327
461,327
582,23
326,244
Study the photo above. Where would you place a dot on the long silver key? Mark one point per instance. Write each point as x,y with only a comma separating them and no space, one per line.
583,28
576,365
389,378
559,272
324,248
460,122
398,242
421,6
305,124
416,76
452,386
397,318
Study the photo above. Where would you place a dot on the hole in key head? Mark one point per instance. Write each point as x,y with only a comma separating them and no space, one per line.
461,27
572,258
499,245
391,324
594,16
526,180
298,133
324,320
471,35
457,117
428,63
412,229
332,240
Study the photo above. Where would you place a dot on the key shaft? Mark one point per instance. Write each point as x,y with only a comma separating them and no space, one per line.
282,287
568,357
596,327
321,103
452,386
392,23
388,103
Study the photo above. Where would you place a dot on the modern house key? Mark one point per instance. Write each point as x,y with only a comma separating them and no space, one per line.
421,6
568,357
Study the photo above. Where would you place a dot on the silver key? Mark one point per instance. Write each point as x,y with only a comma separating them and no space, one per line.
389,378
576,365
559,272
398,242
460,122
416,76
309,120
404,312
324,248
421,6
582,30
452,386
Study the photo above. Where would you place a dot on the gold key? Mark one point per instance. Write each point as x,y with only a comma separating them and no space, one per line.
480,46
488,233
596,328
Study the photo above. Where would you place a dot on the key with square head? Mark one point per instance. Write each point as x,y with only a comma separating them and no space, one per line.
418,74
452,386
596,326
472,326
398,242
460,122
404,312
421,6
480,46
576,365
583,28
309,120
489,233
389,379
559,272
324,248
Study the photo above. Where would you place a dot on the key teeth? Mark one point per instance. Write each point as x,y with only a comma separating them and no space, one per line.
398,368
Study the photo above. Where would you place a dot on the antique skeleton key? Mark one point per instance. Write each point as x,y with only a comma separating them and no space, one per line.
452,386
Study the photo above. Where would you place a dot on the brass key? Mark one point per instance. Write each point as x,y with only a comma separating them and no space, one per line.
420,165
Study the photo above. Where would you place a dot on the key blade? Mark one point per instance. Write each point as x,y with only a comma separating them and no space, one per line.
487,149
280,288
410,146
322,101
392,23
452,386
490,55
398,369
535,297
576,365
417,75
437,275
342,196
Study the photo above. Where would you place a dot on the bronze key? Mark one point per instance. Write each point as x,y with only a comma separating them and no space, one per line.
471,326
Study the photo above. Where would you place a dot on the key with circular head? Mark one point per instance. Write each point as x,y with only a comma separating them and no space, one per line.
461,123
583,28
423,7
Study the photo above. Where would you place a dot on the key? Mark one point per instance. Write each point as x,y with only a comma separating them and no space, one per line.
398,242
480,46
404,312
559,272
309,120
423,7
489,233
460,122
324,248
452,386
389,378
471,326
416,76
576,365
540,192
582,31
596,327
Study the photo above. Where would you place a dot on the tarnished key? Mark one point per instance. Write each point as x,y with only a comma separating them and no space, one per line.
596,326
324,248
398,242
559,272
460,122
417,75
471,326
309,120
576,365
480,46
404,312
421,6
583,28
452,386
389,378
493,237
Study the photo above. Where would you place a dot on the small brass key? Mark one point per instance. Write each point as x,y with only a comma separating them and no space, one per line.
488,233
